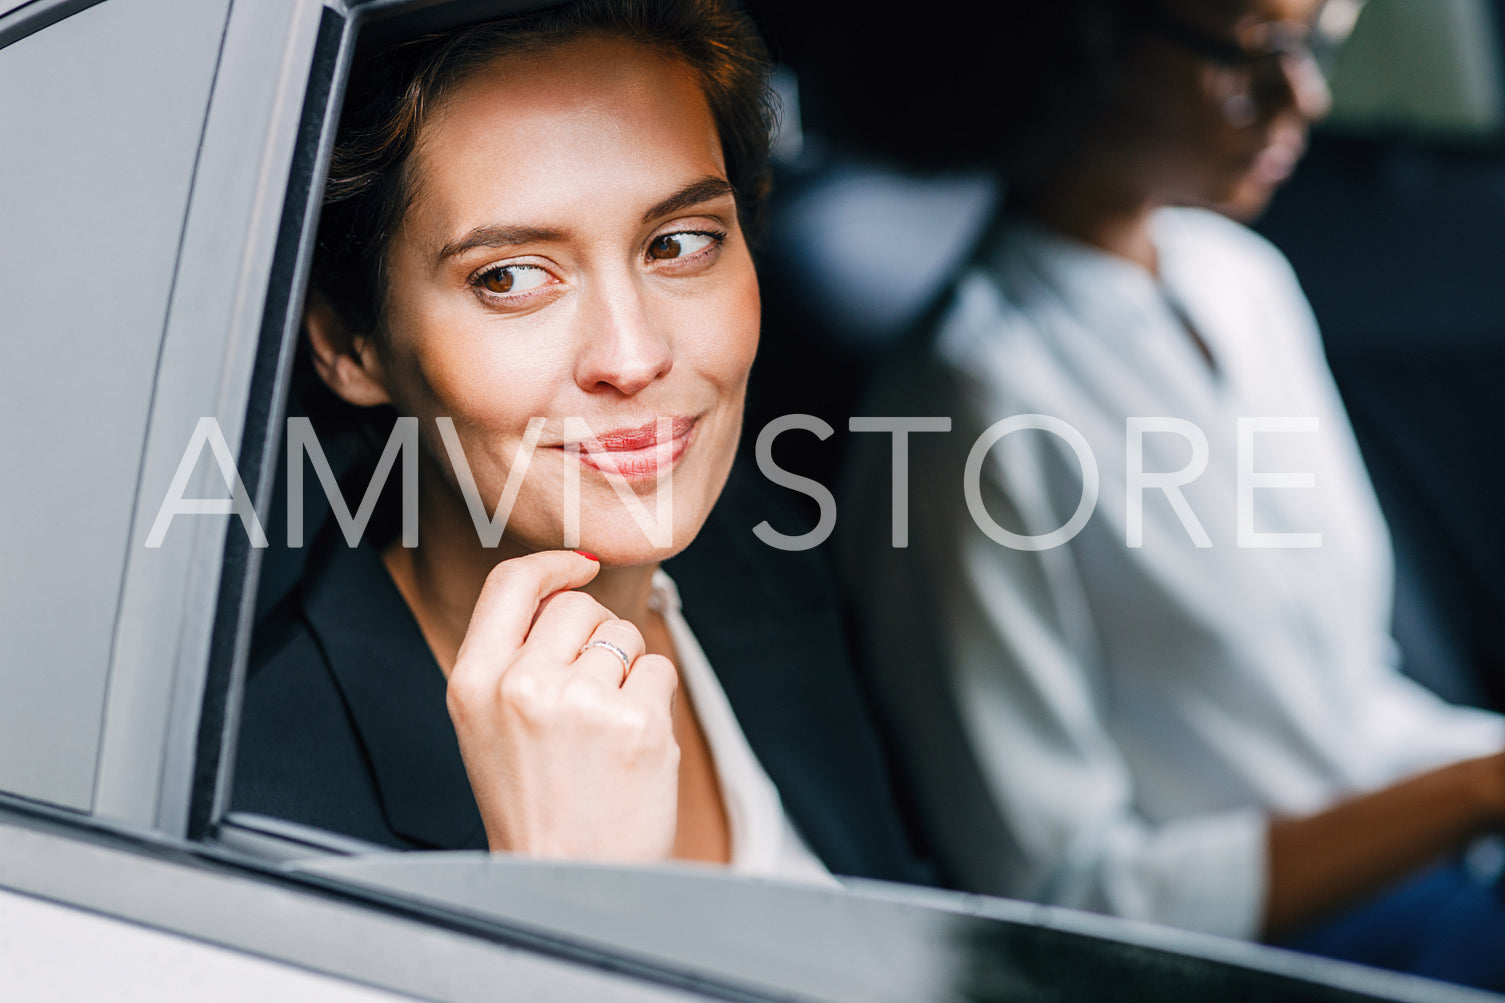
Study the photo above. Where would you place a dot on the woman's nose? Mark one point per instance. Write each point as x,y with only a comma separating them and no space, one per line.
1304,88
623,349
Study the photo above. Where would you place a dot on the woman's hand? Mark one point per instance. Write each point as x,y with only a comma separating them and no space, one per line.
1328,860
565,756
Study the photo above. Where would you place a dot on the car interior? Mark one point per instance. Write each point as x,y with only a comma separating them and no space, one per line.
1399,195
1387,224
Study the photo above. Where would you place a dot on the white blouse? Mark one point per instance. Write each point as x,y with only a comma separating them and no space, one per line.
1110,726
764,841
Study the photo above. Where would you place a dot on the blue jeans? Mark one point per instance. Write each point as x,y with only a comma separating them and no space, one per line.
1444,924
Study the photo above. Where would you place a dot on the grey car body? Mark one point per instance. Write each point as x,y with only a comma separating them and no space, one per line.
162,164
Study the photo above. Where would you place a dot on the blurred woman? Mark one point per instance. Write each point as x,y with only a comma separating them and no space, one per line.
1164,682
533,243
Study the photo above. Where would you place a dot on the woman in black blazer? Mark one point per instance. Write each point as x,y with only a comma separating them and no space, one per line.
532,249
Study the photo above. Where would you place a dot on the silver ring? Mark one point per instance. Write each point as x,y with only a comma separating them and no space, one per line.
599,643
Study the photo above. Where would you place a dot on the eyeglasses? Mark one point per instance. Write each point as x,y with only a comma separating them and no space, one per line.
1264,48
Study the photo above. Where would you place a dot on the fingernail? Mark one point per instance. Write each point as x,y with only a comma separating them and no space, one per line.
588,555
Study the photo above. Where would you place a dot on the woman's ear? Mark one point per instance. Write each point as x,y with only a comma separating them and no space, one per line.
346,362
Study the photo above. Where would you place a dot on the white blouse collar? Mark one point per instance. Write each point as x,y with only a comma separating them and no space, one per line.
1043,262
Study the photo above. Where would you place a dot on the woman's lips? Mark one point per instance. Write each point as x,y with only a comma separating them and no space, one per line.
636,453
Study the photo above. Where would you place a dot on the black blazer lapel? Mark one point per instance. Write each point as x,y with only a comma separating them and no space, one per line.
395,693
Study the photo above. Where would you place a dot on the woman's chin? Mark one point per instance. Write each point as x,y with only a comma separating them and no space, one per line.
1243,197
620,541
626,555
1248,192
659,525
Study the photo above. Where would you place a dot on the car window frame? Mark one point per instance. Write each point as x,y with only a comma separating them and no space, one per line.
217,727
162,657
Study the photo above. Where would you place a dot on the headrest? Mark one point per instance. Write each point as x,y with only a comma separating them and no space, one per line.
869,249
1423,67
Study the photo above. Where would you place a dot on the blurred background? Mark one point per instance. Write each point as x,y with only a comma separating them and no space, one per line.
1395,224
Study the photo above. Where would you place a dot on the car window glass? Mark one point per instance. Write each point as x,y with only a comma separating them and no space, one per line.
1451,87
101,117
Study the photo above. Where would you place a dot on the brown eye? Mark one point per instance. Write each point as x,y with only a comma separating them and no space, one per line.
511,279
683,244
497,281
665,247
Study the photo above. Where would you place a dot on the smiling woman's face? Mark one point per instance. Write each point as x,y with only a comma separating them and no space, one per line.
573,252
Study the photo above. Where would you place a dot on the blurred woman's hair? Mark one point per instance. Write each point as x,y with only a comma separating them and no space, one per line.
393,92
998,85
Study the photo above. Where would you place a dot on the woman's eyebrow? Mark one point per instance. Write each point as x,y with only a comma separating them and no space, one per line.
690,195
509,235
498,235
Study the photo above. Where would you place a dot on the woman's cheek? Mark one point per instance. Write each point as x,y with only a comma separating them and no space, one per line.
747,309
723,355
483,377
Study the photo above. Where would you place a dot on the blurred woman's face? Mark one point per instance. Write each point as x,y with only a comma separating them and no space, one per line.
1207,133
572,254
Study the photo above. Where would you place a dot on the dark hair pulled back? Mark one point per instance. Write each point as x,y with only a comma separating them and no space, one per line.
371,179
997,85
